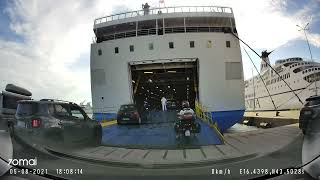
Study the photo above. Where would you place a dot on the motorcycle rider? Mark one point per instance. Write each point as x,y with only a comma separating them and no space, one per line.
186,109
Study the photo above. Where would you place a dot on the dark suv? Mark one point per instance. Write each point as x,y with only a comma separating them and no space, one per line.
309,113
55,121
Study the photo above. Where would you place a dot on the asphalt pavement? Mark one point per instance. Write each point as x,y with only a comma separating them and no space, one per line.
288,156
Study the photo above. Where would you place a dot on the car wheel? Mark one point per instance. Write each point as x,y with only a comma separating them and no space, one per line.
303,131
11,128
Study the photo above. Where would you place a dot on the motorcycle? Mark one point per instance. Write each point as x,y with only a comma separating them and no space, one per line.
186,125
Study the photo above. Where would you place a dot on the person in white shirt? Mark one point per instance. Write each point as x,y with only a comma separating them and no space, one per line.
164,103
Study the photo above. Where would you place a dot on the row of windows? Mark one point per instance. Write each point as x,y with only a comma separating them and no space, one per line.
285,76
171,46
289,59
102,36
298,64
274,87
312,77
309,70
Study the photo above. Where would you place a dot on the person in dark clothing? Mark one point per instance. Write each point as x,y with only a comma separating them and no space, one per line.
145,8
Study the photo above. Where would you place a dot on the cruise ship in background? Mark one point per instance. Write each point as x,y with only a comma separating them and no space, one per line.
182,53
300,74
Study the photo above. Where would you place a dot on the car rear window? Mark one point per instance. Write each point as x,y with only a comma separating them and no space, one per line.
59,110
127,107
28,109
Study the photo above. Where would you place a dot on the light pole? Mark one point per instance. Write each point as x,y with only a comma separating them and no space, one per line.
254,92
305,34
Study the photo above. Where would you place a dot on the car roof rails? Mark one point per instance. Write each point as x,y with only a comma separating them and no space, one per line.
57,100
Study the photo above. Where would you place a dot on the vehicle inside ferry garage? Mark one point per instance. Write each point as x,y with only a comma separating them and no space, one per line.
175,79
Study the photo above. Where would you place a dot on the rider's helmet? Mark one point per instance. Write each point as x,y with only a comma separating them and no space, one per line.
185,104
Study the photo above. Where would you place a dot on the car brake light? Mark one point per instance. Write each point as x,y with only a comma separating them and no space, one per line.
36,123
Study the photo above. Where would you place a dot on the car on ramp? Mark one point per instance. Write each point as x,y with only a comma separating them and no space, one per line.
128,114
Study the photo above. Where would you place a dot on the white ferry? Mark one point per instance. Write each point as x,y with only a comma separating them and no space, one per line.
300,74
181,53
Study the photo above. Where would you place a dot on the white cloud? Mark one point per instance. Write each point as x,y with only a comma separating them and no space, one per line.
58,34
314,39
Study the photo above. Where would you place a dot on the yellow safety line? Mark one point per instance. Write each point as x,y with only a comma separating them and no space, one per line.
103,124
219,133
200,111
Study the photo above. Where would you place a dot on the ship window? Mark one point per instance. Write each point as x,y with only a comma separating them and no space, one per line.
116,50
131,47
209,44
309,70
99,52
171,46
150,46
228,44
191,44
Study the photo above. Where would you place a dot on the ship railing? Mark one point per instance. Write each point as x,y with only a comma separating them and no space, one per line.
153,31
164,10
206,116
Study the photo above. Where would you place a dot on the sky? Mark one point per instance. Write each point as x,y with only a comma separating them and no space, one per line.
45,44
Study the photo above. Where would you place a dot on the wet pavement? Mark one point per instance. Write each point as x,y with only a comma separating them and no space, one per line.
157,131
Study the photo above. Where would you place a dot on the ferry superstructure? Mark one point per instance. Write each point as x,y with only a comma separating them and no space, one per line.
181,53
300,74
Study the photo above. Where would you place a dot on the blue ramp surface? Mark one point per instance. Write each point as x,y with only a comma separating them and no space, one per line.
156,131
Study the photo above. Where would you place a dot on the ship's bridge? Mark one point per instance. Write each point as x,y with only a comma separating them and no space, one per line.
160,21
